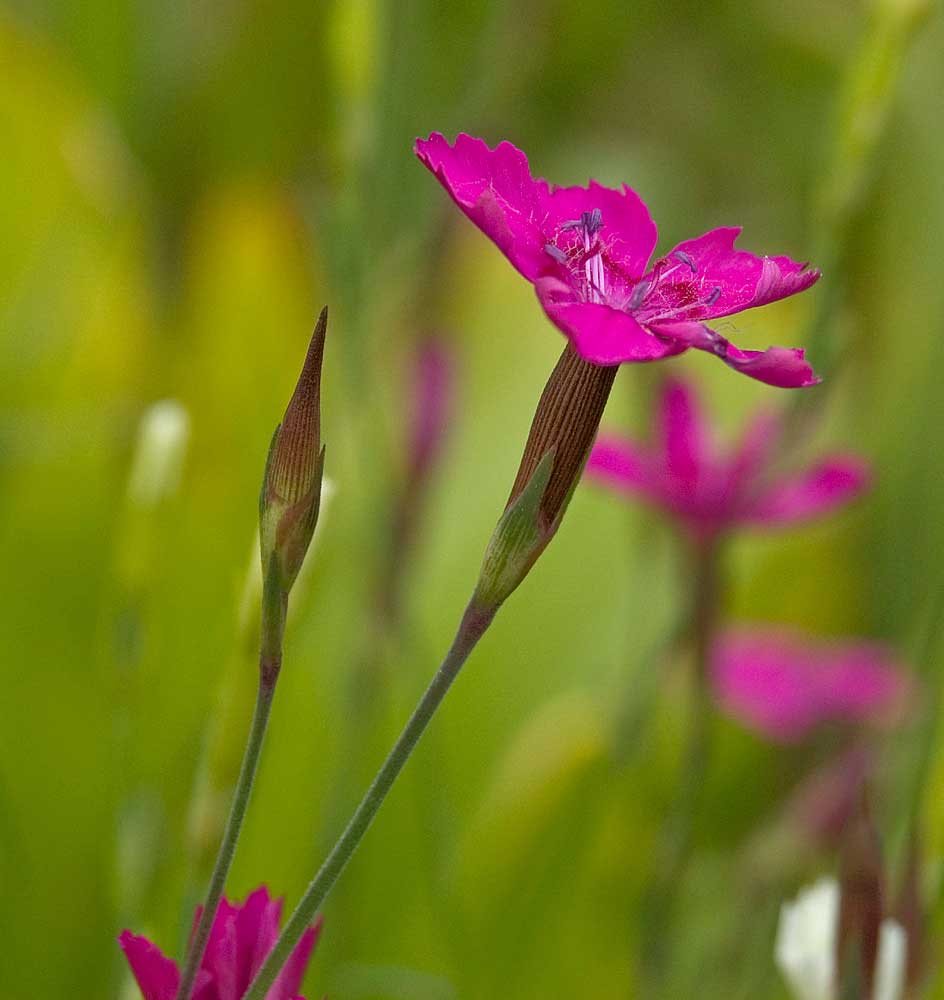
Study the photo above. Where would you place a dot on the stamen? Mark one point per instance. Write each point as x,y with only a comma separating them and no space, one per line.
685,259
589,223
715,295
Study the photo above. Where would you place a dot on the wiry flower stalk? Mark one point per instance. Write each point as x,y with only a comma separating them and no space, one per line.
288,511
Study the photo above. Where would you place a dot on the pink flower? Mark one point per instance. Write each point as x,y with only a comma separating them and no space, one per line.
241,938
784,685
684,474
587,252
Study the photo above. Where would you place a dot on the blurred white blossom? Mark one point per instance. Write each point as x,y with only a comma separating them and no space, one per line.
163,435
890,963
805,948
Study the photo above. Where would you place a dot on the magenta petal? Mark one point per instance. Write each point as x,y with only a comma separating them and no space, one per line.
222,958
828,485
863,681
781,277
757,681
289,979
784,367
782,685
630,234
618,463
156,975
257,929
495,189
733,280
684,437
600,334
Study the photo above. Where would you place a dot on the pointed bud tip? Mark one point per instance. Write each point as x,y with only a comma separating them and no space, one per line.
309,381
297,444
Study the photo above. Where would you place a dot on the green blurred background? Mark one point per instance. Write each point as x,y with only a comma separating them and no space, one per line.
181,188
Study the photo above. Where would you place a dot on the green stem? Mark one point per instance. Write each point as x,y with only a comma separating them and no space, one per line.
270,660
680,825
473,625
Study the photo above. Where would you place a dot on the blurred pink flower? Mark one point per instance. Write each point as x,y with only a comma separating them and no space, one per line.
241,938
587,252
684,474
783,685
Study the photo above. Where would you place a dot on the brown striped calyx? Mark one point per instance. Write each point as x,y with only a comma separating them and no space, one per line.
566,420
562,432
291,488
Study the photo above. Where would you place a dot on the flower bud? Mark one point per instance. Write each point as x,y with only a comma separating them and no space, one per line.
291,488
562,432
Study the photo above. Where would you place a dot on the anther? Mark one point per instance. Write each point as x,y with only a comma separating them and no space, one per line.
639,293
714,296
686,260
592,221
555,251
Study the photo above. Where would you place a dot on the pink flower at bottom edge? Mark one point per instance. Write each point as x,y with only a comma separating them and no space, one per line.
783,685
587,252
240,939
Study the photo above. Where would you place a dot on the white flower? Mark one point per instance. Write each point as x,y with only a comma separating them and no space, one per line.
890,964
805,948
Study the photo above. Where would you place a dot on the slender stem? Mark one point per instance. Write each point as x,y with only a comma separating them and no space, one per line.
680,824
473,625
270,659
697,750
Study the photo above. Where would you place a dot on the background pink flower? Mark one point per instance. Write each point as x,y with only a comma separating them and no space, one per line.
683,472
241,938
587,252
782,684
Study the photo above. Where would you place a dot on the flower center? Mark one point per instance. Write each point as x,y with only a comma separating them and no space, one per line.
587,253
672,291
